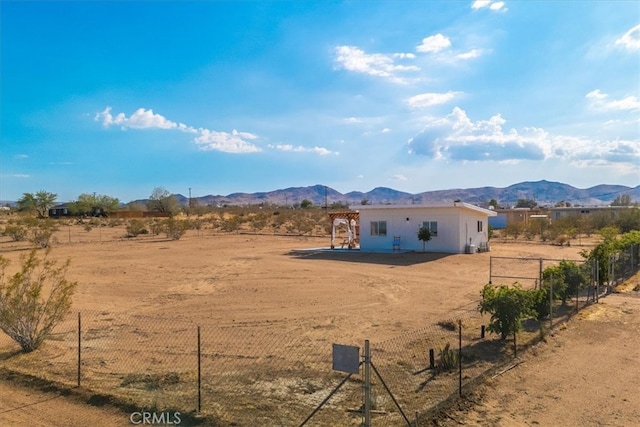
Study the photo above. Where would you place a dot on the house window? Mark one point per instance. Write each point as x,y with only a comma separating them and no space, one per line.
432,226
378,228
479,226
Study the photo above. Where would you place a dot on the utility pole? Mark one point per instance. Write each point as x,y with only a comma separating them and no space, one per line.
189,210
325,198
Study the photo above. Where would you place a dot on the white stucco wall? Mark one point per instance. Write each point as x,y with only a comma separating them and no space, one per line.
457,227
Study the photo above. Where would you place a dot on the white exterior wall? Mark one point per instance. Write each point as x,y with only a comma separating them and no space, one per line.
456,225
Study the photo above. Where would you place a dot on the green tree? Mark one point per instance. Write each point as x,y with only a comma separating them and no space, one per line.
539,300
622,200
306,204
424,235
612,243
508,306
92,204
38,203
494,203
526,203
628,219
33,300
161,200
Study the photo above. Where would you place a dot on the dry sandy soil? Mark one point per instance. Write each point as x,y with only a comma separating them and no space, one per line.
586,374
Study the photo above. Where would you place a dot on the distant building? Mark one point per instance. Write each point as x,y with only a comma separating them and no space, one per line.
522,216
613,211
59,211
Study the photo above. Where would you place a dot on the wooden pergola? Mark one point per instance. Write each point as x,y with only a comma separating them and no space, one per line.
352,220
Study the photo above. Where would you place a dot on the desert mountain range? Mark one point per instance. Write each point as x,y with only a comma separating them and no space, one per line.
543,192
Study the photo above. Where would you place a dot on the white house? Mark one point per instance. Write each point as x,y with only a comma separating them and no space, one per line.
455,228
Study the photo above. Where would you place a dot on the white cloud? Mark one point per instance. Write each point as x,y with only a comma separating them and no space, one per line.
399,177
434,44
140,119
404,55
473,53
21,156
207,140
492,5
430,99
353,120
354,59
631,39
600,101
234,142
300,149
456,137
479,4
385,130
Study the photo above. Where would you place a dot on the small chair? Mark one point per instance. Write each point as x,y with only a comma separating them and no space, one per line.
396,243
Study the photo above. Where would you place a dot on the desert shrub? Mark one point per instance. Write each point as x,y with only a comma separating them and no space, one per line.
136,227
42,237
17,232
28,314
175,229
114,222
447,359
514,230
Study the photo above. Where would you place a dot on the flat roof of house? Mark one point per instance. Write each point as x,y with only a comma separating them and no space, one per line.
459,205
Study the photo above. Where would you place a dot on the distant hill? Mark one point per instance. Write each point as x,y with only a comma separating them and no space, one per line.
543,192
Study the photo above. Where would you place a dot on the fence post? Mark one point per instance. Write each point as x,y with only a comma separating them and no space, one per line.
460,357
551,303
432,359
540,273
490,268
482,331
79,346
367,385
199,375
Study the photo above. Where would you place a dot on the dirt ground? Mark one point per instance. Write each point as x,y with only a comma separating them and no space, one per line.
584,370
585,374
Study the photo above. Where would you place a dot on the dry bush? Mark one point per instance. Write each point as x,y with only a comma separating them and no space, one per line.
28,313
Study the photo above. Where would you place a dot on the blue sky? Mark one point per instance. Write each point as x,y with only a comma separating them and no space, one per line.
118,98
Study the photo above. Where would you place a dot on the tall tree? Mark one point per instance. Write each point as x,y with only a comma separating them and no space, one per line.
161,200
622,200
526,203
92,204
39,202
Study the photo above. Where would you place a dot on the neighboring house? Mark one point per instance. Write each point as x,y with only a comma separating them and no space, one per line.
59,211
613,211
455,228
63,210
522,216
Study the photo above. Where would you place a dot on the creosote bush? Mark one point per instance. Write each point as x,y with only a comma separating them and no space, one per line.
33,300
136,227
